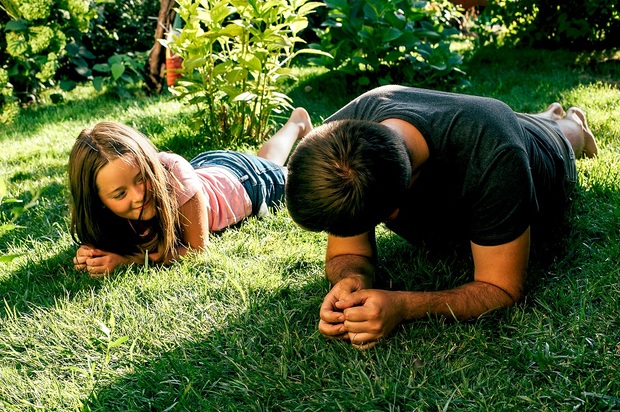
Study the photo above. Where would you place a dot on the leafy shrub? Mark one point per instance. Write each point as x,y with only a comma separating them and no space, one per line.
113,53
35,38
405,42
123,27
60,42
236,57
574,24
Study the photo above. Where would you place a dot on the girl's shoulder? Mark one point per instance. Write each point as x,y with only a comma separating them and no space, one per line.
185,183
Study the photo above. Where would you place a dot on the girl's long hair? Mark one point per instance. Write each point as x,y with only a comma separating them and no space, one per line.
91,222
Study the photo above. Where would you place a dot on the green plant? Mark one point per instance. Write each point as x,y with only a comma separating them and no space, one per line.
578,25
236,57
120,71
8,103
35,38
406,42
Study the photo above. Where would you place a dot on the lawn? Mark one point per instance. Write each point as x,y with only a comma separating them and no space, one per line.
235,327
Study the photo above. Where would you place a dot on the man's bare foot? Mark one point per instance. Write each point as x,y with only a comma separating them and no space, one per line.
553,112
590,148
301,118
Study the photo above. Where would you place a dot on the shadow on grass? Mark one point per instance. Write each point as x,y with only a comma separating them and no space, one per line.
269,357
40,277
41,283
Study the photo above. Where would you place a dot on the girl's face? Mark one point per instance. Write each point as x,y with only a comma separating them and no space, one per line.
123,189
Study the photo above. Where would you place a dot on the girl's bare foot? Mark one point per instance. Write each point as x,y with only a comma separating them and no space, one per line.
590,148
301,118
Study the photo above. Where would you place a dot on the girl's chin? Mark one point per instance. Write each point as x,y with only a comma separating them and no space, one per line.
147,214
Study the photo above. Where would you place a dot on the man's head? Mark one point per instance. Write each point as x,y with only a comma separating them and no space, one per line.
347,176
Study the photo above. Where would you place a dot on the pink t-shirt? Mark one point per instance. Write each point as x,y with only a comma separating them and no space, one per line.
228,202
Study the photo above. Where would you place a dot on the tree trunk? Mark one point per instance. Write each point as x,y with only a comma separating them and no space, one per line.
156,63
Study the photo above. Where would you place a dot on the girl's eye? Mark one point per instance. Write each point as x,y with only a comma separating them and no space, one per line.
119,195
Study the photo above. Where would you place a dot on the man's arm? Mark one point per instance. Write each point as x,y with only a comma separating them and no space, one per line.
351,256
349,266
499,277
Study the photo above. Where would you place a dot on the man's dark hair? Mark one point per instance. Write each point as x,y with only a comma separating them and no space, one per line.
347,176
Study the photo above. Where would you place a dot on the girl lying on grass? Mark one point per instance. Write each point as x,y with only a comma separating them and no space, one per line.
129,201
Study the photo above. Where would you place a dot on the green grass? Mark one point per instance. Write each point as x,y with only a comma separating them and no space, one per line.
235,328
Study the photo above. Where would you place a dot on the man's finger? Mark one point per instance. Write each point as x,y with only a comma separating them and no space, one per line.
362,340
354,299
356,314
333,331
330,316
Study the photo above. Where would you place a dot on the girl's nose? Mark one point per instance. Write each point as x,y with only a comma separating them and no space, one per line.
138,193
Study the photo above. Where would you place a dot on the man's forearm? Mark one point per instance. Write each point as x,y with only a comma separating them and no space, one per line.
344,266
465,302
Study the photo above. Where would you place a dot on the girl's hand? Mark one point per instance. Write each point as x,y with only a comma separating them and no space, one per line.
97,262
79,261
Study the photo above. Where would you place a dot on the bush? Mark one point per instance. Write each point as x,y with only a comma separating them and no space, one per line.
236,57
576,25
383,42
60,42
35,38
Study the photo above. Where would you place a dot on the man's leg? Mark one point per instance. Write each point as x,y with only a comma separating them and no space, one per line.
574,126
576,130
279,146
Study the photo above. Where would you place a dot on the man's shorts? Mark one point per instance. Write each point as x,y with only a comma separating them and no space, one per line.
554,136
262,179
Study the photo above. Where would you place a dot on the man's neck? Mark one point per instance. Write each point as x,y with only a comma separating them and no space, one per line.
415,142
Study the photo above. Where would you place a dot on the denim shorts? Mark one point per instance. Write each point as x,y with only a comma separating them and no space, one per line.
262,179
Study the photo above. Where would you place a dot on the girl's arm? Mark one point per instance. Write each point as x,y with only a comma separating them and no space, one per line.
194,227
195,236
195,221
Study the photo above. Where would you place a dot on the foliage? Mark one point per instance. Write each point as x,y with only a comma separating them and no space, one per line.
35,39
236,57
575,24
116,75
123,26
113,53
60,42
405,42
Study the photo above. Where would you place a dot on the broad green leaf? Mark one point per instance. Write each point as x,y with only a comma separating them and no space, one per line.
390,35
231,30
67,85
117,70
220,12
102,67
16,25
98,83
309,7
16,45
253,63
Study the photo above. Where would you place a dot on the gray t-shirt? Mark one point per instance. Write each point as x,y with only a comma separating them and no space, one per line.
486,174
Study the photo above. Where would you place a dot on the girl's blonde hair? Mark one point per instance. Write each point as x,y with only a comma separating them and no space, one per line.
91,222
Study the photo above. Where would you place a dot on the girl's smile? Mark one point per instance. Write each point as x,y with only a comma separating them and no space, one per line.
123,189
